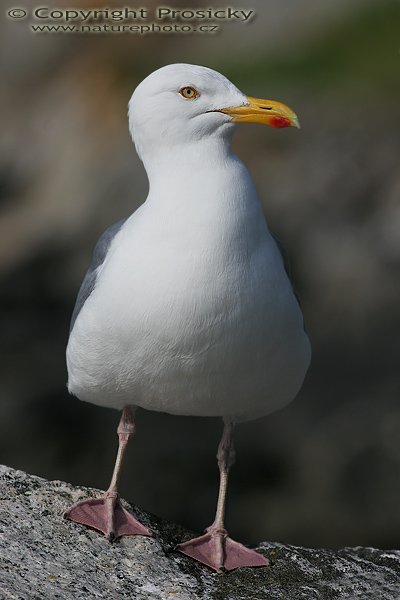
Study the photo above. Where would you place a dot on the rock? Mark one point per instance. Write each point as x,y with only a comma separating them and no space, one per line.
43,556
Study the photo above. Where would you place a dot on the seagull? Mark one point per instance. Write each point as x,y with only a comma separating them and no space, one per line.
187,307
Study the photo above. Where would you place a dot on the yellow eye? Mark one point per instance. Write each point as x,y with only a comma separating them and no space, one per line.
189,93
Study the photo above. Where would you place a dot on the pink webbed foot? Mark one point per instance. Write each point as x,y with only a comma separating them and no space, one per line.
218,551
107,515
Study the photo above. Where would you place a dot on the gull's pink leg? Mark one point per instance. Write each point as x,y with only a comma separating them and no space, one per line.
106,514
215,549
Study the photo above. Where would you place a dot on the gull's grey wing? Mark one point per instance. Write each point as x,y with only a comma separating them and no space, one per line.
99,255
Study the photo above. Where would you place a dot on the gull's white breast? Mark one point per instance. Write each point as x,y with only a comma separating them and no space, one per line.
192,312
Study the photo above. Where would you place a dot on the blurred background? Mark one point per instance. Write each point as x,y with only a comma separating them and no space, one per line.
325,470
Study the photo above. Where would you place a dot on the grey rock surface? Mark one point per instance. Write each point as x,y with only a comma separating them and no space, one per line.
42,556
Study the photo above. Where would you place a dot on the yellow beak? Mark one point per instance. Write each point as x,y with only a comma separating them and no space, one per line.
266,112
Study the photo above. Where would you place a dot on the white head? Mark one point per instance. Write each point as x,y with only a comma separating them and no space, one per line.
184,103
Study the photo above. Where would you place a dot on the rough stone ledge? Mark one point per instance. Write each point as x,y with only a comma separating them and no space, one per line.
42,557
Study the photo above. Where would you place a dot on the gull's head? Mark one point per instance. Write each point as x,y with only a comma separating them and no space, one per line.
182,104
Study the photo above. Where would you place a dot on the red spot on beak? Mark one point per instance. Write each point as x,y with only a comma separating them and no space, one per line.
280,122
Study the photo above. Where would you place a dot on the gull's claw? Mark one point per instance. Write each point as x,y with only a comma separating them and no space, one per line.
219,552
107,516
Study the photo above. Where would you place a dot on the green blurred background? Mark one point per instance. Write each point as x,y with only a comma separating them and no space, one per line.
324,471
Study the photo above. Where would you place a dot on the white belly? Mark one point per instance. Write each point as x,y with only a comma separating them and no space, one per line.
190,326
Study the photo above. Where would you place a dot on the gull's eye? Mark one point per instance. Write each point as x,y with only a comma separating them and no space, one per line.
189,93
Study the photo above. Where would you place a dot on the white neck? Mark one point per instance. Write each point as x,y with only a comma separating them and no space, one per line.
186,157
198,175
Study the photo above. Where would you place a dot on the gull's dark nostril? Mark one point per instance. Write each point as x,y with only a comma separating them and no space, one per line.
266,107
